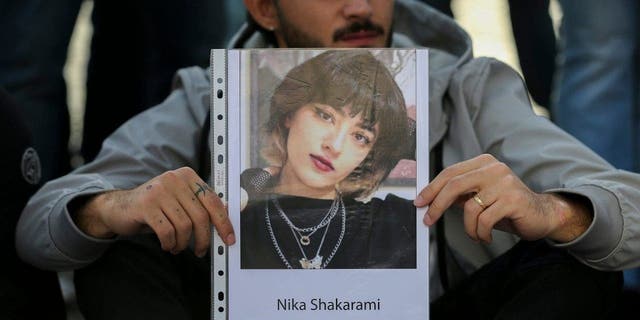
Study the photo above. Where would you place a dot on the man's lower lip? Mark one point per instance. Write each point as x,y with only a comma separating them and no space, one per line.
364,40
321,165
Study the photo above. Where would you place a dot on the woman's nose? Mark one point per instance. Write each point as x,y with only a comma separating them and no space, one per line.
335,141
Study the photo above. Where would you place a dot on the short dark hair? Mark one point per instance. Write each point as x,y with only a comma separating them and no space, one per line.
339,78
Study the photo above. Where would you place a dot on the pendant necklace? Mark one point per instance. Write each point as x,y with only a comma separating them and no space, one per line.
317,261
304,234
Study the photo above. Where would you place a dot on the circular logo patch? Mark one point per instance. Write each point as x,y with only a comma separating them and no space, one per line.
31,171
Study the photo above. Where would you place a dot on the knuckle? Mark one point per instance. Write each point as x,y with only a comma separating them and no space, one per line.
202,243
170,176
180,245
204,218
189,171
456,183
436,206
509,179
165,234
185,225
485,222
203,234
503,168
185,169
216,205
183,241
485,157
470,206
428,190
499,168
493,167
201,217
185,172
197,215
448,171
207,229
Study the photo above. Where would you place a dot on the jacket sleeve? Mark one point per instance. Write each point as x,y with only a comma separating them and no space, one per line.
548,159
163,138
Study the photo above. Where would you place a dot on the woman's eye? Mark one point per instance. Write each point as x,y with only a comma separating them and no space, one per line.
362,139
323,115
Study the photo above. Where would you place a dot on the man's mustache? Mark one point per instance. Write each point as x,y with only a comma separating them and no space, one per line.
364,25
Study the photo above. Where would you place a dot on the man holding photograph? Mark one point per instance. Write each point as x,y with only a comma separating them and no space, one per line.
504,169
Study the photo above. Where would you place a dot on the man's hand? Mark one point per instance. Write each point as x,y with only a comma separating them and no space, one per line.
494,197
174,205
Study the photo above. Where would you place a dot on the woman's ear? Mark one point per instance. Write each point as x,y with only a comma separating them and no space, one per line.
264,13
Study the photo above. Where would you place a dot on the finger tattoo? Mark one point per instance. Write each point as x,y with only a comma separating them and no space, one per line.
201,188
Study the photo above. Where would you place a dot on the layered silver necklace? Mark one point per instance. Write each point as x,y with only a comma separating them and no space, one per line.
303,235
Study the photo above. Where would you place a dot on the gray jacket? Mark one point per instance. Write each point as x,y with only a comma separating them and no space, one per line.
476,106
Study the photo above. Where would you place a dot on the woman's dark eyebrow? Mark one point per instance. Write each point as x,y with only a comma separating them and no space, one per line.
370,128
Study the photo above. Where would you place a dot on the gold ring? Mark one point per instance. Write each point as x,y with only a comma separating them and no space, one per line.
479,201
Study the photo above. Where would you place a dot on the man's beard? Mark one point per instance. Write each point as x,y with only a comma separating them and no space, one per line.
295,38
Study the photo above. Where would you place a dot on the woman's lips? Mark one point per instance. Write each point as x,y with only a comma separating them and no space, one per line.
322,163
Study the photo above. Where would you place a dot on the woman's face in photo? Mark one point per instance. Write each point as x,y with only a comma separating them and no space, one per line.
323,147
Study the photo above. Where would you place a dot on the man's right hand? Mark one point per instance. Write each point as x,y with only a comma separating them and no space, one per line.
174,205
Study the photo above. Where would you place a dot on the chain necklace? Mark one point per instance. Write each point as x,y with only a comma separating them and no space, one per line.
305,239
305,263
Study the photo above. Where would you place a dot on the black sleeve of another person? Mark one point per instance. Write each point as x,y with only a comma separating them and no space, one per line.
25,292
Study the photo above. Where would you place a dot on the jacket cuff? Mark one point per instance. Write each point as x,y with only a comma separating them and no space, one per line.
67,237
604,233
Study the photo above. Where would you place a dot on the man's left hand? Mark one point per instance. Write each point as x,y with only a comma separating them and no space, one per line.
494,197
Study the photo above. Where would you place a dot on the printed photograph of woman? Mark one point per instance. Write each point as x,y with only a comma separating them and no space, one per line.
337,125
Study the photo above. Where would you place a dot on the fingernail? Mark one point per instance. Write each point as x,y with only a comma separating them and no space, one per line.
427,220
231,239
419,201
201,253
